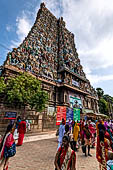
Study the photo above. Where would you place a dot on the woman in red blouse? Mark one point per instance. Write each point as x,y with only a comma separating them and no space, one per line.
6,145
65,158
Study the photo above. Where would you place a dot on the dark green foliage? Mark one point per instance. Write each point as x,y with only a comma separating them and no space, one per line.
100,92
103,106
2,85
105,102
25,90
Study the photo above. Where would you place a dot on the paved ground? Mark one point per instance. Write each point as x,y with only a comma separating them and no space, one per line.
87,163
39,155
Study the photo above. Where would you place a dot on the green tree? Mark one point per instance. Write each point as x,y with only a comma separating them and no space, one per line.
100,92
2,85
25,90
109,100
103,106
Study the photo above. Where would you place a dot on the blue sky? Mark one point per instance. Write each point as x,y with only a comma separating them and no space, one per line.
90,21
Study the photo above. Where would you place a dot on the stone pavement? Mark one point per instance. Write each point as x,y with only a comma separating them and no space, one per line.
87,163
39,155
41,136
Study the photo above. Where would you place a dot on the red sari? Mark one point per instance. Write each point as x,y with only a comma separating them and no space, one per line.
21,130
66,158
102,152
93,131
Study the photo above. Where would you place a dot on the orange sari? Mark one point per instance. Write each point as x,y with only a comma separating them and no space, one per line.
102,153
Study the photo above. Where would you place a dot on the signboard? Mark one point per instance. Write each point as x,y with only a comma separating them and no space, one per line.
69,114
50,111
75,102
76,114
61,113
10,115
75,83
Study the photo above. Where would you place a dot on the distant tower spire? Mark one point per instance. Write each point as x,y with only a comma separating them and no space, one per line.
42,5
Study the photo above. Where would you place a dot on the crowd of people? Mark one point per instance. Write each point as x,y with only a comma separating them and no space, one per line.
15,130
86,134
72,135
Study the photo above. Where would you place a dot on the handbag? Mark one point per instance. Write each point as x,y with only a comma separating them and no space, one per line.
10,151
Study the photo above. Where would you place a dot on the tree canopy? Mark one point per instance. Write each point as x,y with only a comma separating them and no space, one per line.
100,92
103,106
25,90
2,84
105,102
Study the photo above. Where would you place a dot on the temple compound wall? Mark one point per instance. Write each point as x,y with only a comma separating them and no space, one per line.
49,53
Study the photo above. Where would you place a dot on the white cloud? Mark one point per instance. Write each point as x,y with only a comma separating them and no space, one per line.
54,6
96,79
23,25
91,21
101,56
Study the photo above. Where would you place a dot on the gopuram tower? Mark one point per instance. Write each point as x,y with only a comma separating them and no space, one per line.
49,53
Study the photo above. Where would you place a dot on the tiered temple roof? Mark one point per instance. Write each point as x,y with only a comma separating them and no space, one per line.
48,50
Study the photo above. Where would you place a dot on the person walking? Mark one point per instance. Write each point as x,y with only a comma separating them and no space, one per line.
67,132
7,148
87,139
21,131
16,128
93,134
61,133
65,158
70,125
75,135
103,145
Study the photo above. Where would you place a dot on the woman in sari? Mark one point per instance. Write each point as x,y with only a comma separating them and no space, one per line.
6,143
75,135
103,145
21,131
93,132
65,158
87,139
